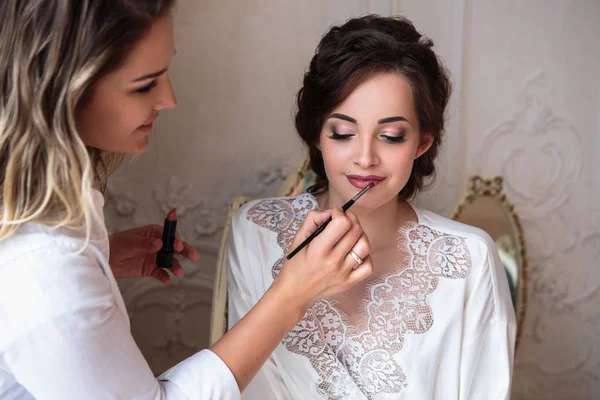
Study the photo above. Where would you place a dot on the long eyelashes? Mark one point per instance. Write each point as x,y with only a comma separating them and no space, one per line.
391,139
395,139
147,88
337,136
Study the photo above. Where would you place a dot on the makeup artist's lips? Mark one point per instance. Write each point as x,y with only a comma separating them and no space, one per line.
146,128
362,181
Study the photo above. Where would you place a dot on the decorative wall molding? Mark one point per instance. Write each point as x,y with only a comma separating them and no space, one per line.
535,137
540,154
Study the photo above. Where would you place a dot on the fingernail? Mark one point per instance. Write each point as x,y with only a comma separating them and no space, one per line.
156,242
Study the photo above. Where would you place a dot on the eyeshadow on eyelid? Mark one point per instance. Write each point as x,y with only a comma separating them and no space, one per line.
341,129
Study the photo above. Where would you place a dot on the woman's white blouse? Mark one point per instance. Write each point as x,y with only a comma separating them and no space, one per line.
440,325
64,330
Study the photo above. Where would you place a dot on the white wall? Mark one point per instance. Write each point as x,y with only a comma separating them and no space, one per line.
526,105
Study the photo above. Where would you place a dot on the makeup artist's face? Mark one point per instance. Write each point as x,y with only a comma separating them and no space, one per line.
373,136
125,103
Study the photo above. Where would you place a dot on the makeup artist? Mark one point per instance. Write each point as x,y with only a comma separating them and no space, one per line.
81,82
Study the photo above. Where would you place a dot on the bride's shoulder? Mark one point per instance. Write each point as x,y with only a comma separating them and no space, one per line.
450,227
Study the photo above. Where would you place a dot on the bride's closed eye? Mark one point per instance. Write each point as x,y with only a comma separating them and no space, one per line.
394,139
338,136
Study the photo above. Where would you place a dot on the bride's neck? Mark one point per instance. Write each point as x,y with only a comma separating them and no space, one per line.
381,224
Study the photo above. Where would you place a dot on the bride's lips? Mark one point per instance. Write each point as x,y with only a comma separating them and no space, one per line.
362,181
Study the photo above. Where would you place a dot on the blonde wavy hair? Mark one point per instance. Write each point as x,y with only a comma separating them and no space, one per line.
56,50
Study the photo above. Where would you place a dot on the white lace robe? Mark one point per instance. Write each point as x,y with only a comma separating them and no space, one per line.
439,325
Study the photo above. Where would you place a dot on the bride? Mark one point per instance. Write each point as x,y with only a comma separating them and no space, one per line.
435,319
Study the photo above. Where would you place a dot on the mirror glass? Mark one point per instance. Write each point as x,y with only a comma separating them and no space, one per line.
489,214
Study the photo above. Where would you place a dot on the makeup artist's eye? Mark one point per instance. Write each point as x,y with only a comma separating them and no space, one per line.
147,88
394,139
337,136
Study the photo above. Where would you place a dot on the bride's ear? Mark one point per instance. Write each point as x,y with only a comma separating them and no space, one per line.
425,142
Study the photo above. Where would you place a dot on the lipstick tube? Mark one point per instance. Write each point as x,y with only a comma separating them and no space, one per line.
164,258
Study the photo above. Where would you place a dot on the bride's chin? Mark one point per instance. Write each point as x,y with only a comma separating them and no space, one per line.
381,202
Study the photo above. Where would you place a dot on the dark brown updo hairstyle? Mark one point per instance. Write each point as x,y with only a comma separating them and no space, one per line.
351,53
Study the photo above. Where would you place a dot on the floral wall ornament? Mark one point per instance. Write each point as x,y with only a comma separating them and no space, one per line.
175,194
542,155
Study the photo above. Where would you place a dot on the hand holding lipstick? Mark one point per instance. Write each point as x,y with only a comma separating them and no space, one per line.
133,253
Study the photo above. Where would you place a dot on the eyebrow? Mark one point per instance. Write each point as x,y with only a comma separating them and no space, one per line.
343,117
149,76
381,121
391,119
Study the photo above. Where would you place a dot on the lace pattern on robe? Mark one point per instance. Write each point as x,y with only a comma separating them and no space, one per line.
358,363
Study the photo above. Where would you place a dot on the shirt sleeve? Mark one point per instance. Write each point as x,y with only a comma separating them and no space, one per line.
487,363
488,345
68,339
245,275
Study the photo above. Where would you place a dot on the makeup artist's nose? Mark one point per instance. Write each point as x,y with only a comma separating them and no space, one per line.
366,155
167,98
